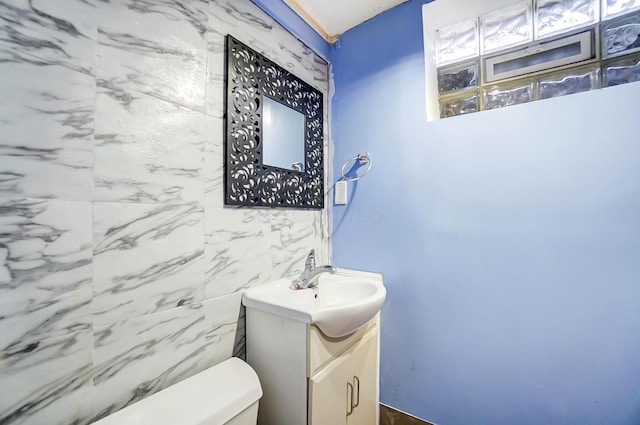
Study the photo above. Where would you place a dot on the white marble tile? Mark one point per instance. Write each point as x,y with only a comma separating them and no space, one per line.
46,131
138,357
238,243
252,26
155,47
220,323
298,231
49,32
25,323
48,382
215,89
214,162
146,149
45,270
147,258
248,247
158,109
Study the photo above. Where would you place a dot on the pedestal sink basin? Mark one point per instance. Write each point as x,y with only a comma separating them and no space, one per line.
340,304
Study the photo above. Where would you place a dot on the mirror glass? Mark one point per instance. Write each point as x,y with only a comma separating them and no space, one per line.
282,136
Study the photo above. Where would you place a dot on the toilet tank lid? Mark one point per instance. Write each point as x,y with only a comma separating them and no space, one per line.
213,396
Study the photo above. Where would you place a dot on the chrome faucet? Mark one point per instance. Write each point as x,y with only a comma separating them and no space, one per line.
311,274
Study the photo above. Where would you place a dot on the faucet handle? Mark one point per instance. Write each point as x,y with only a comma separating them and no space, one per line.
311,259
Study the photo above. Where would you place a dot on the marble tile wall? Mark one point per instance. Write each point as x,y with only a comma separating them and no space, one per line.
121,271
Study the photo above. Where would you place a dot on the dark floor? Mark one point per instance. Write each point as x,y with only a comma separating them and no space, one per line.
390,416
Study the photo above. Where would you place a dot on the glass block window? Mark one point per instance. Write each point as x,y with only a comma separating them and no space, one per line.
615,7
458,77
460,104
622,71
571,81
457,42
506,27
499,96
555,16
621,36
536,49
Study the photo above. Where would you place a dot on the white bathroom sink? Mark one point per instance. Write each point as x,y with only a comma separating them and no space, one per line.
340,304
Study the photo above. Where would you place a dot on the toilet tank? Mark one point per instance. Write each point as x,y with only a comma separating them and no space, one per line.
226,394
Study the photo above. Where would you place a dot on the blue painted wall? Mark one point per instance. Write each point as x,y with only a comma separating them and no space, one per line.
509,240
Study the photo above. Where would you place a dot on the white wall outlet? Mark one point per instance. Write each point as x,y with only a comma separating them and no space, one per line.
341,193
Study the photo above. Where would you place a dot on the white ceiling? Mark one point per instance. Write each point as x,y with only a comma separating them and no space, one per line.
330,18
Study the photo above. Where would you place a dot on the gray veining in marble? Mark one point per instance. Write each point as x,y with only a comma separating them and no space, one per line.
213,173
45,270
46,33
137,357
141,160
46,141
121,271
238,244
296,231
221,323
47,123
48,382
155,47
147,258
263,34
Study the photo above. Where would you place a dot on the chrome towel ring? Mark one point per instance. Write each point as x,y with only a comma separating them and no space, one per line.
362,159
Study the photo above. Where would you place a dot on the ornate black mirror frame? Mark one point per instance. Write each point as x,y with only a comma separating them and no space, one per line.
248,181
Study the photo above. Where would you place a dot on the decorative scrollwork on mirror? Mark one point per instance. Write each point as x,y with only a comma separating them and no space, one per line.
248,180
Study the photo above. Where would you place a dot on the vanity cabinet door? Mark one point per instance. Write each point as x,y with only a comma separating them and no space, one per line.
329,394
344,392
365,381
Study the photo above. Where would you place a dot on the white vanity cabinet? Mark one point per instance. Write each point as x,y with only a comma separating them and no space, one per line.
308,378
345,390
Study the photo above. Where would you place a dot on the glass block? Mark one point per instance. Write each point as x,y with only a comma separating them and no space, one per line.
616,7
461,104
622,71
458,77
457,42
506,27
621,36
554,16
568,82
502,95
